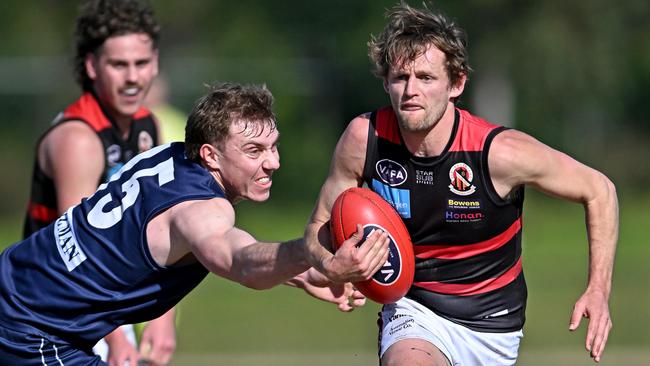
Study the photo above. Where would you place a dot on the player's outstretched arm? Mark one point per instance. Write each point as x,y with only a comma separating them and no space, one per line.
348,264
515,159
207,229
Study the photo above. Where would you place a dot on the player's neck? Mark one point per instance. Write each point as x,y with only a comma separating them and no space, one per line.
123,124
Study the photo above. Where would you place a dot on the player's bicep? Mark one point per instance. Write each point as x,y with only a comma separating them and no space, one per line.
518,159
207,229
74,159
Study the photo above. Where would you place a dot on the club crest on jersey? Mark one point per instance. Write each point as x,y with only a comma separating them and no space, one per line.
391,172
145,141
113,154
461,177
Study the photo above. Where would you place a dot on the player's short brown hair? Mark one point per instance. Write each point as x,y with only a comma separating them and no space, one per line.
410,32
227,103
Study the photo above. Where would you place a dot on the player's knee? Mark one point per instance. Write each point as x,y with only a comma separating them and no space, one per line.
414,352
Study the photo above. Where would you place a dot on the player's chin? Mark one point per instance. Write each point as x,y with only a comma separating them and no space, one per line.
260,195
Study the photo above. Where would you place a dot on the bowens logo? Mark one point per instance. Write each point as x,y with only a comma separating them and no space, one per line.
391,172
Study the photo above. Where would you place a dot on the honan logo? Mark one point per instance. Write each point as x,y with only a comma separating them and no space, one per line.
390,172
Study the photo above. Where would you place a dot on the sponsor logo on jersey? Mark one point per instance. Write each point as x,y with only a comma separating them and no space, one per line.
464,216
400,199
463,211
66,242
423,177
390,271
145,141
113,154
391,172
461,177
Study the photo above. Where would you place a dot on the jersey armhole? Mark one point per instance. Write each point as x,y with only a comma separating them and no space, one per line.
371,148
517,194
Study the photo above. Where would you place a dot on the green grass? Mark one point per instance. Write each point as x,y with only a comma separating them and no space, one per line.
225,324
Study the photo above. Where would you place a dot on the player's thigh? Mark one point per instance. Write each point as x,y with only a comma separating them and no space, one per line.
413,352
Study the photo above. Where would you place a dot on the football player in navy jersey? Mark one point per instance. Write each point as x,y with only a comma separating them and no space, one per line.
457,182
153,231
115,62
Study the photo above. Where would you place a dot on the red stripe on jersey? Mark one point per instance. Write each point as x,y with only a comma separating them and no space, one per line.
488,285
42,213
87,109
466,251
471,139
141,113
386,126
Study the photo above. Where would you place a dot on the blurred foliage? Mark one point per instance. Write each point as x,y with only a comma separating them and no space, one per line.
579,70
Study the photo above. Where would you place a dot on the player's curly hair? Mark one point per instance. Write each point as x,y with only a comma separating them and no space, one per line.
226,103
410,32
101,19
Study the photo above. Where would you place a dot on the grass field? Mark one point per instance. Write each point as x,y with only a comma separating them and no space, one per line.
225,324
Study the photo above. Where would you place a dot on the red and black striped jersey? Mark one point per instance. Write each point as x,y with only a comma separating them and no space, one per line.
143,135
467,239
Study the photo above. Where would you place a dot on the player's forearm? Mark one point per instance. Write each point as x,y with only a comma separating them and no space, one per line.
314,251
602,229
264,265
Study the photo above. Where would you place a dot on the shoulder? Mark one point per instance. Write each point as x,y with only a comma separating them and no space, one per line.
74,137
73,142
357,130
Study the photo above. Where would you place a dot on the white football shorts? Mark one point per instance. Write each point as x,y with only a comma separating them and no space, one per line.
407,319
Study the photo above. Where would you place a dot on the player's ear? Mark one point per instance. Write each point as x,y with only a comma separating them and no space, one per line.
89,64
385,83
210,156
457,89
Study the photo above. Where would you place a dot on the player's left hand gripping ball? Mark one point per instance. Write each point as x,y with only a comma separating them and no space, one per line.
363,206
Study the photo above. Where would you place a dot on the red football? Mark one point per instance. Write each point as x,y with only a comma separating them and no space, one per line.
363,206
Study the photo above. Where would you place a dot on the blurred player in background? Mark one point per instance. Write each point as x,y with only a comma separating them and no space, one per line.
115,63
153,232
458,183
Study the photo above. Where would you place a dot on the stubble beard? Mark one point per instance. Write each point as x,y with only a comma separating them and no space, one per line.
430,119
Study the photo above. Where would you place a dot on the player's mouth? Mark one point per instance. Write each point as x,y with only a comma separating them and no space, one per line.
411,107
131,92
265,181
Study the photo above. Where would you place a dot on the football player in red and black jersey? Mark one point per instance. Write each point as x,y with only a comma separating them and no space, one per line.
457,181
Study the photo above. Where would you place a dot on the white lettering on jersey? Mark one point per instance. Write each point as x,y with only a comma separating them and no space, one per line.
66,242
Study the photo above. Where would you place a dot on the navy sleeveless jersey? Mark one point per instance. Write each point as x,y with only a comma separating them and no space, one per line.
143,135
91,270
467,240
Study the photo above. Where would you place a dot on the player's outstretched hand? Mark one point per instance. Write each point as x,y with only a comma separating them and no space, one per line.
593,305
344,295
358,259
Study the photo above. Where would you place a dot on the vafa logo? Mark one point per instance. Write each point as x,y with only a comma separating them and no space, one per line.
392,173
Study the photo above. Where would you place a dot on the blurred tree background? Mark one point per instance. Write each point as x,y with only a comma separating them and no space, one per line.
573,73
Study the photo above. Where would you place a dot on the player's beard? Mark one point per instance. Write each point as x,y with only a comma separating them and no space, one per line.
426,123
